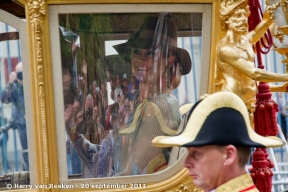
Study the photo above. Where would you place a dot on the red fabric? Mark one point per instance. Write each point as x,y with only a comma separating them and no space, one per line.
248,188
265,122
160,166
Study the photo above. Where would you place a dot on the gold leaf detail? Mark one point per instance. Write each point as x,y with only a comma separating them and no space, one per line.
36,12
185,186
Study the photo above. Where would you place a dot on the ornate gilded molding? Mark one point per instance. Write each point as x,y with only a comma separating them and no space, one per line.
36,13
185,186
38,24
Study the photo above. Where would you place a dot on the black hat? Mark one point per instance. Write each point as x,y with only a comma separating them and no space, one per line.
219,119
156,31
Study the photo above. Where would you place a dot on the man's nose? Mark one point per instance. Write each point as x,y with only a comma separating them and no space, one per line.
187,163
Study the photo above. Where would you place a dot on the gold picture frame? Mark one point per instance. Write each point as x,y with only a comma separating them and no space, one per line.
43,94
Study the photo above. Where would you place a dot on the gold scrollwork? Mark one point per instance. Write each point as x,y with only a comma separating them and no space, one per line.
185,186
271,9
36,13
279,35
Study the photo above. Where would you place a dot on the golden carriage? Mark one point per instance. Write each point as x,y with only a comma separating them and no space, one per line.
41,38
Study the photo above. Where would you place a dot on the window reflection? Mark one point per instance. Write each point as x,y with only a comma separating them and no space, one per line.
13,138
130,74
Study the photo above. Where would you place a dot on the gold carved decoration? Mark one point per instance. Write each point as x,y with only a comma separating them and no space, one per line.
36,13
185,186
38,29
281,33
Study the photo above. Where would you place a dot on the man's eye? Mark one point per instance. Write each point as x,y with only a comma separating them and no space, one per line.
136,51
195,155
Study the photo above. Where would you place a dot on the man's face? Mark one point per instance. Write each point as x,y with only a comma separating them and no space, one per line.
19,73
117,81
124,82
67,81
75,107
79,117
238,22
118,99
89,103
205,165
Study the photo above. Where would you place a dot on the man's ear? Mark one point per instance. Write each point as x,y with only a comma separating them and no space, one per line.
230,155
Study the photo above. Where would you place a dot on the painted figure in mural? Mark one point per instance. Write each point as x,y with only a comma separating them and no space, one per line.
14,93
158,64
217,162
236,71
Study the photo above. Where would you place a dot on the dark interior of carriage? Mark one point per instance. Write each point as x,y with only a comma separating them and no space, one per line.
13,7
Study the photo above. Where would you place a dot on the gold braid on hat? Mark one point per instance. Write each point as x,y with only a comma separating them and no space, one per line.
144,107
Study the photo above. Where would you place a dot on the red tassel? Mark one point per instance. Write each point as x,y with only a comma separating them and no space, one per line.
261,173
265,112
265,121
265,124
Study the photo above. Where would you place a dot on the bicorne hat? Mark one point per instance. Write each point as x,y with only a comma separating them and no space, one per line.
156,32
219,119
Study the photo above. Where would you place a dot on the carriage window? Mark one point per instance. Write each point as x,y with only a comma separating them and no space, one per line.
13,130
123,78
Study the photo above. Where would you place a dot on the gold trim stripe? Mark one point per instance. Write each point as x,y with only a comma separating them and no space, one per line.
61,2
36,12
